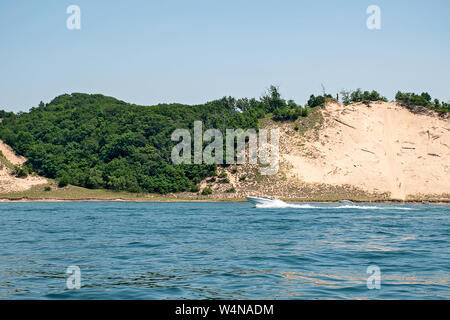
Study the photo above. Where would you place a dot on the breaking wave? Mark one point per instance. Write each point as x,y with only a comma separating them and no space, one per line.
281,204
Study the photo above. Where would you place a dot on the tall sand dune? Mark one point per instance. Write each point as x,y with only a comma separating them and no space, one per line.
383,147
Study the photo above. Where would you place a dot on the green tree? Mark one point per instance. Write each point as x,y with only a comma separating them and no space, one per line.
63,181
206,191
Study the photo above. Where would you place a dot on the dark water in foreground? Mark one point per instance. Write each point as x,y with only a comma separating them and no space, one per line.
223,250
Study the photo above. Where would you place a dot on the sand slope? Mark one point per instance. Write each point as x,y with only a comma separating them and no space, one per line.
8,182
381,148
11,155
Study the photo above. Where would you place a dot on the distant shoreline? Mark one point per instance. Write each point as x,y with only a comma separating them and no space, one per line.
78,194
326,156
179,200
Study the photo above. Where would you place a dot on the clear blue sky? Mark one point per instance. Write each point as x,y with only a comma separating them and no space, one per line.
147,52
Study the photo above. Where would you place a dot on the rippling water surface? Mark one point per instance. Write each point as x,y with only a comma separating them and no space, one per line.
223,250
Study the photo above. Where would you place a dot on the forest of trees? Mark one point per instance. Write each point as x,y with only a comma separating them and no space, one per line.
361,96
423,100
96,141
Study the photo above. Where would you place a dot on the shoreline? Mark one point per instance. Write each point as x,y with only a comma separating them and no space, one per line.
78,194
180,200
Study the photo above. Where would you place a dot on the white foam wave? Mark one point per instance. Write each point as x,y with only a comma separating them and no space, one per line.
372,207
281,204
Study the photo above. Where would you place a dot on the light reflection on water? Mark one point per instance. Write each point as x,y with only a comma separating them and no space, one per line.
223,250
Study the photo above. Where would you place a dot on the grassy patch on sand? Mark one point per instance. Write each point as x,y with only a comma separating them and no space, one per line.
5,162
313,121
68,193
49,192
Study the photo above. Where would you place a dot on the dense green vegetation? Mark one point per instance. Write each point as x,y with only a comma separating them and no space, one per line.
95,141
423,100
4,114
408,99
207,191
318,101
361,96
280,108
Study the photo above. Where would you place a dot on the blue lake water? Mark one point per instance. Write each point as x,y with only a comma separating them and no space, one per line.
131,250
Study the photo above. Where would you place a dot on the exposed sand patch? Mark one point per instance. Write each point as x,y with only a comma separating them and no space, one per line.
382,148
10,183
11,155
